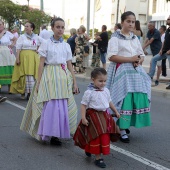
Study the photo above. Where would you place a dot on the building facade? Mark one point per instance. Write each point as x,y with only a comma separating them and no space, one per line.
160,12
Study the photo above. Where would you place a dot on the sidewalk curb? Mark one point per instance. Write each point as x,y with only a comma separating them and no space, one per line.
163,92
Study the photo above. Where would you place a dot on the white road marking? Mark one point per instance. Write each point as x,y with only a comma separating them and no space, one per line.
16,105
115,148
138,158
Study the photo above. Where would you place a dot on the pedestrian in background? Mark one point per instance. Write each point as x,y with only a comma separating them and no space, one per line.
163,62
154,40
72,43
81,41
27,62
102,45
96,126
162,31
51,112
163,53
117,27
7,58
16,35
129,85
137,31
96,56
45,34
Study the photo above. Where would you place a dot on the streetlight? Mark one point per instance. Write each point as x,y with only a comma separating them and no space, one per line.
28,2
117,16
42,5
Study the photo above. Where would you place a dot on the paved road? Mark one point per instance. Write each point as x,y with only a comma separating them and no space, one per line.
19,151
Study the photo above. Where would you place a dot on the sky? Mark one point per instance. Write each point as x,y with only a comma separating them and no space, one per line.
52,7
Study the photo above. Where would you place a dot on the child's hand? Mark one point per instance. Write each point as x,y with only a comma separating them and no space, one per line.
85,122
117,115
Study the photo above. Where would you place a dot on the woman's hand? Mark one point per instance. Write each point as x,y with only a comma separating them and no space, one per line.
85,122
17,61
75,89
135,58
117,115
37,87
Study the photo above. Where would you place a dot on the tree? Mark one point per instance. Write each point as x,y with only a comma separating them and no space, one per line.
18,14
36,16
10,12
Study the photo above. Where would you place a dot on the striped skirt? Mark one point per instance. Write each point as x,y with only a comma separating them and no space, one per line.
56,83
7,61
100,123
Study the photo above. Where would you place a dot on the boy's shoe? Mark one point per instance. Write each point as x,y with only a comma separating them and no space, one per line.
127,131
156,83
88,154
2,99
100,163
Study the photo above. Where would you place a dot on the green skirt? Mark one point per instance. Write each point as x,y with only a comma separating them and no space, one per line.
6,74
135,111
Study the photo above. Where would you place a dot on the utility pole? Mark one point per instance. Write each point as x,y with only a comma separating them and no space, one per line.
117,15
41,5
28,3
88,16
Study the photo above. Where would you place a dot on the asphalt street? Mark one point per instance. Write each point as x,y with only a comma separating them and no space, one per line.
148,149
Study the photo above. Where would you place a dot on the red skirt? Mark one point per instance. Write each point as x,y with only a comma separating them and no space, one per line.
99,145
97,135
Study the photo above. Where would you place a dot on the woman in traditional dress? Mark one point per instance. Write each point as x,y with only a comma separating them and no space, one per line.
7,58
81,41
129,85
27,62
52,113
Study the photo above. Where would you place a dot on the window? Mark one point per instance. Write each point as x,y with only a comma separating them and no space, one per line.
112,18
154,6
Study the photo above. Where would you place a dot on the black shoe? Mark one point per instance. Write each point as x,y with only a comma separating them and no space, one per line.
28,96
124,140
168,87
2,99
100,163
156,83
88,154
55,141
127,131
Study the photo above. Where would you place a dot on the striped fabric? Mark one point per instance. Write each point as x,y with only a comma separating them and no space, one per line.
121,36
30,81
6,74
54,83
100,122
126,79
33,110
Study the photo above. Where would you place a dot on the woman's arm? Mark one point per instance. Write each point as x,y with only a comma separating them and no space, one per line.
17,57
120,59
70,68
83,115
